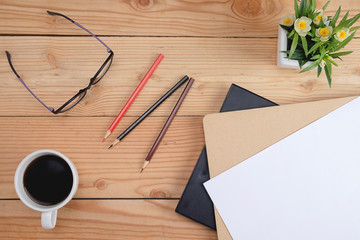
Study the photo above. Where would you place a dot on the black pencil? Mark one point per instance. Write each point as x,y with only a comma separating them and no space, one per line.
167,124
152,108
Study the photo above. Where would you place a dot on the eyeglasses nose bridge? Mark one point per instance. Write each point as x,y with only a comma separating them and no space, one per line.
90,83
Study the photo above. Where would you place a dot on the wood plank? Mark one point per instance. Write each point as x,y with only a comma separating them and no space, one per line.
102,219
106,173
219,18
56,67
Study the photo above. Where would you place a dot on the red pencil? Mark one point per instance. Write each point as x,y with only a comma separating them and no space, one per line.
133,96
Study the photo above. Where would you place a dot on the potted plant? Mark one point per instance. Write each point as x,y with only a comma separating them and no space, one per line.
310,39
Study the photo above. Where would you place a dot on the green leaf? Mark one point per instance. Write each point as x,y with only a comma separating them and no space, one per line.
328,72
353,20
303,63
344,43
308,7
286,28
296,7
344,18
322,24
304,44
315,40
298,54
314,15
313,30
315,57
311,66
292,33
319,71
339,54
332,45
336,17
313,5
322,52
348,23
332,61
302,7
315,47
340,26
294,44
325,6
354,28
298,57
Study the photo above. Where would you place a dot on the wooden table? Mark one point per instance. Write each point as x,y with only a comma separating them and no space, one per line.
217,42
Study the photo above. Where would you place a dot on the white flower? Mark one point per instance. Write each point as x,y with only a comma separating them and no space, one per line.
320,16
324,33
287,20
302,26
322,63
342,34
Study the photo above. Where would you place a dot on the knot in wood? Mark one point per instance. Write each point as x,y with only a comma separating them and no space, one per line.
310,85
144,4
52,60
249,8
100,184
155,193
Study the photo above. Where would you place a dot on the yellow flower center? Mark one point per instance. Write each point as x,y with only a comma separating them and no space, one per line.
342,34
302,25
287,21
319,17
324,32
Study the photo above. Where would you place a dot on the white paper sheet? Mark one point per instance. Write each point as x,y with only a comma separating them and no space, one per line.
306,186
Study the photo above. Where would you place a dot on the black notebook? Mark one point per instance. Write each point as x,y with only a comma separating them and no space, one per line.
195,203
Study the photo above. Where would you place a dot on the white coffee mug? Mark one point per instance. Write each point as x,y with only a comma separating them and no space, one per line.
48,213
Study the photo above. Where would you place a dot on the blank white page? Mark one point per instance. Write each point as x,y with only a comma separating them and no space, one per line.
304,187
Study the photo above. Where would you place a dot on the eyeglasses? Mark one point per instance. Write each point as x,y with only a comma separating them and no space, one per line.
82,92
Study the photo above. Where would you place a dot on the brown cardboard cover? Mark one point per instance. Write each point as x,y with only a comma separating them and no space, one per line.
235,136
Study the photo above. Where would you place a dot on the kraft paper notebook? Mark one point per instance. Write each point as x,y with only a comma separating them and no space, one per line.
195,202
233,137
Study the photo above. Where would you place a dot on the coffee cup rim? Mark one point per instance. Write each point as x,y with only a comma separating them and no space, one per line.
20,189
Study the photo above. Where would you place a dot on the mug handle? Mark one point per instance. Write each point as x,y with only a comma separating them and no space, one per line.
48,219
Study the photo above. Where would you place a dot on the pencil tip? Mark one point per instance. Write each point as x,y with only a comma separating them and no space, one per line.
107,134
111,146
144,166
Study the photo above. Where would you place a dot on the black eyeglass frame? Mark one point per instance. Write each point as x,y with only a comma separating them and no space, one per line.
82,92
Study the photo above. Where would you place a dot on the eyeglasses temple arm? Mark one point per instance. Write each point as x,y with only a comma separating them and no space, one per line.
80,26
23,83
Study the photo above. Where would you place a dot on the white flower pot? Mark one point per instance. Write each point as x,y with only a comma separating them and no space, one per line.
282,61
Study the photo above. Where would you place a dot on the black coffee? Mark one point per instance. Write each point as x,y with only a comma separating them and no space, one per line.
48,180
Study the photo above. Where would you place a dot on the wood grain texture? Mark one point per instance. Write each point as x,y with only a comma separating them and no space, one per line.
106,173
56,67
218,42
102,219
219,18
